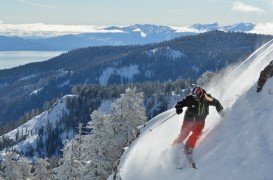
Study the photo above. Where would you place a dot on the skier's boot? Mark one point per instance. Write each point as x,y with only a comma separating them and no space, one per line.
188,151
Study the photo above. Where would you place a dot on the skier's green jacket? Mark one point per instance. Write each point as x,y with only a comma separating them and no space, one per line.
198,109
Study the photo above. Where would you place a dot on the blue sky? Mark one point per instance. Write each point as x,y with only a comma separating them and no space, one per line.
124,12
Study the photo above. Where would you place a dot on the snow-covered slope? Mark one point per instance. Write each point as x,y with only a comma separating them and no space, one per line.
31,127
238,146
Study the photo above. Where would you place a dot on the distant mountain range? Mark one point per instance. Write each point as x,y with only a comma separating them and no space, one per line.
238,27
114,35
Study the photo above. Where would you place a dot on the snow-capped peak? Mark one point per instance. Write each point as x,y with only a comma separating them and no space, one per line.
141,32
240,27
150,29
206,27
237,27
145,28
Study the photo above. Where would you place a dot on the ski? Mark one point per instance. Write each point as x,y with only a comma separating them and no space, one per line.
181,158
193,166
190,159
188,153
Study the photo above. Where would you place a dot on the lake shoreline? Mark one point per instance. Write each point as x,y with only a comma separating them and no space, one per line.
12,59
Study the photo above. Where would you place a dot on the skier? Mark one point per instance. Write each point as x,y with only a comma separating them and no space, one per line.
198,103
265,74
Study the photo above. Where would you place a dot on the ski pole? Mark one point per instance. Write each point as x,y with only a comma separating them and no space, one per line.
162,122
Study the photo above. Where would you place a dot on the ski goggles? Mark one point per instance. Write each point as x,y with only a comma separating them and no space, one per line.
197,92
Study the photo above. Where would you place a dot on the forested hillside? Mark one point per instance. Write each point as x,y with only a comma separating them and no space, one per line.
42,136
36,85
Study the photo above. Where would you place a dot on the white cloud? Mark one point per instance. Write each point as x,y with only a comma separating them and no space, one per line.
194,9
48,30
270,1
47,6
263,28
241,7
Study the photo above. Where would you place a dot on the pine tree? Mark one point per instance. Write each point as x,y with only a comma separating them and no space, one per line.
17,134
14,167
71,167
127,113
111,133
42,170
10,167
24,168
97,147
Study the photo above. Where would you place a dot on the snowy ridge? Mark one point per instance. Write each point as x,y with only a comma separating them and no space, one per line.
124,72
238,146
28,77
237,27
31,127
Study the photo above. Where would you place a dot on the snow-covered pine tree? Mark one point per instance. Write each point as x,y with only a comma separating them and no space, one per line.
97,147
71,167
42,170
24,167
14,167
127,113
111,133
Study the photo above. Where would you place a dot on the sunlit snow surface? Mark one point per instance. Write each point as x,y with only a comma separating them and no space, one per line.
238,146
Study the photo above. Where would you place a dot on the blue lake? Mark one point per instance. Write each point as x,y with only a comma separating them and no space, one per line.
10,59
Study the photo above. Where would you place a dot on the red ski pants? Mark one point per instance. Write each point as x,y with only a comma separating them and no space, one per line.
190,126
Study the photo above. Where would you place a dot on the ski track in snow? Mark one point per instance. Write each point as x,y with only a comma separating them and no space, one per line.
238,146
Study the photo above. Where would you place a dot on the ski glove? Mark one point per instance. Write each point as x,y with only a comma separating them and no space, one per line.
219,107
179,110
221,113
